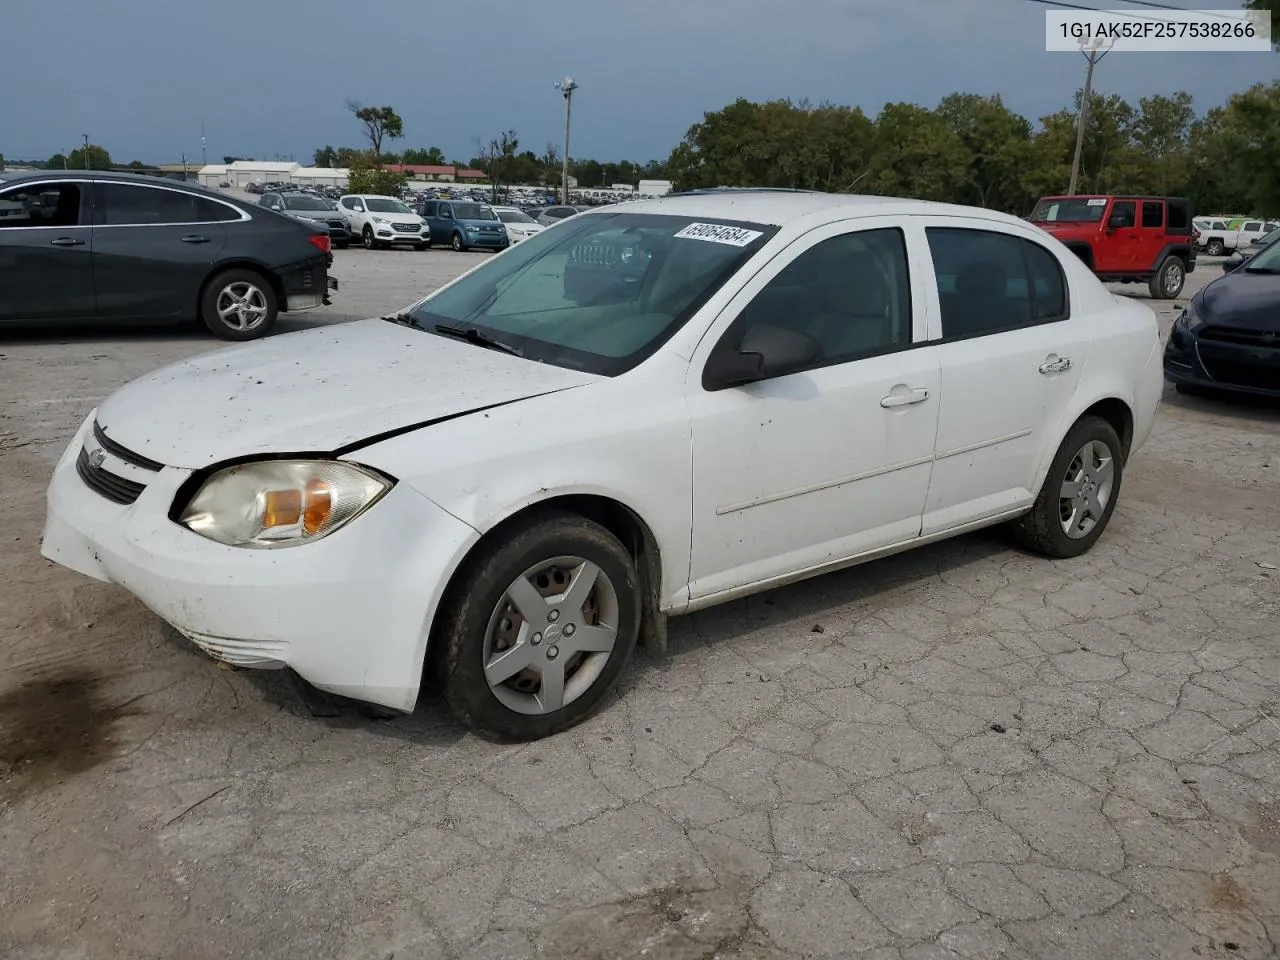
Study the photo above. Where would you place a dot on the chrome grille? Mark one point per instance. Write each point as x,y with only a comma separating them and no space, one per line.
598,254
406,227
102,464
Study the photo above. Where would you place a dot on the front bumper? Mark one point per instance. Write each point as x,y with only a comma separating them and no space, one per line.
396,236
1219,364
495,241
349,613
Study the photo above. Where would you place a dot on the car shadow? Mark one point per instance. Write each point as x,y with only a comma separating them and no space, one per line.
1240,406
42,334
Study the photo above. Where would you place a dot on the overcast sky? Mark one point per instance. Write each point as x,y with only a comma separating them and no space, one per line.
271,77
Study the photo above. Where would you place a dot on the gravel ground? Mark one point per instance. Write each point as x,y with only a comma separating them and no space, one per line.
963,751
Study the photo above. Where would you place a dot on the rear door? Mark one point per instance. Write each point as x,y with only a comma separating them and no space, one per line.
46,251
1151,235
153,248
1010,356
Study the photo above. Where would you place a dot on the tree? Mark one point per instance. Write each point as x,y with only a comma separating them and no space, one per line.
230,160
326,157
496,159
431,156
1160,132
98,158
379,123
367,176
997,142
349,156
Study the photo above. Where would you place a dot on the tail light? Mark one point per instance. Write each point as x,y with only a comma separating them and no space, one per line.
320,241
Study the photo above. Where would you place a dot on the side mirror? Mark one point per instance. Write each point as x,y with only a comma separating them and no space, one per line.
1116,221
765,352
1229,265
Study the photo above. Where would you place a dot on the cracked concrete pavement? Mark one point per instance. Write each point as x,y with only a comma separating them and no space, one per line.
963,751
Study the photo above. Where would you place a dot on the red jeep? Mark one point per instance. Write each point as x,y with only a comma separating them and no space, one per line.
1127,239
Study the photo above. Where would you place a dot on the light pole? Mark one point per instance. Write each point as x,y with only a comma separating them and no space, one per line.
204,156
566,86
86,150
1093,51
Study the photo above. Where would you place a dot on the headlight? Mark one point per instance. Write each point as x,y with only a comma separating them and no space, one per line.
381,220
1186,320
281,503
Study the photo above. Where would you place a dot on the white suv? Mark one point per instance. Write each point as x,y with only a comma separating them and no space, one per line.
381,221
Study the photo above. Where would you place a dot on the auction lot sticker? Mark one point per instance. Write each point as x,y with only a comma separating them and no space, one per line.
719,233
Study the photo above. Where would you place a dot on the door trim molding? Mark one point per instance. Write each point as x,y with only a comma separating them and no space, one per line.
824,485
971,447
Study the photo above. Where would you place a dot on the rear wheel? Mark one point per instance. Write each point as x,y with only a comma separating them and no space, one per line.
540,628
1215,248
1079,494
239,305
1168,280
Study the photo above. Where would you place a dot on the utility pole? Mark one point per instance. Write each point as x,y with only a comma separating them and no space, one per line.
1093,52
566,86
86,150
204,155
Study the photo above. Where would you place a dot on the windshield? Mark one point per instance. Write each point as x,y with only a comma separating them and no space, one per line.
472,211
599,293
305,203
1267,260
385,205
1070,210
514,216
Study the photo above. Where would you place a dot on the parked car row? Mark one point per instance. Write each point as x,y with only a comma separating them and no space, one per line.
1217,235
114,247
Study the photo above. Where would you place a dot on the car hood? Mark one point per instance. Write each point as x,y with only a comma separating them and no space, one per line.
396,217
525,227
1241,299
319,390
322,215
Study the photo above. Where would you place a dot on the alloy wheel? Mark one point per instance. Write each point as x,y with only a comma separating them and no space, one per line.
242,306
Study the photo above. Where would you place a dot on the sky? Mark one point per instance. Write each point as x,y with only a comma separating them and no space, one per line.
272,78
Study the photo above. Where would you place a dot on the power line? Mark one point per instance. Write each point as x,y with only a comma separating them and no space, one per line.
1136,16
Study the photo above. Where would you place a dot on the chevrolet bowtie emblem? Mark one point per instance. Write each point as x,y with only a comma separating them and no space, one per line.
97,458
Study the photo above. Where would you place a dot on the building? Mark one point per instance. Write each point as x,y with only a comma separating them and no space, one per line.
439,173
320,176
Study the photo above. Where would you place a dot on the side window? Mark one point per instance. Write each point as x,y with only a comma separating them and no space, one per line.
348,203
1252,225
41,205
210,211
429,209
1152,214
446,211
129,205
1048,285
850,293
1124,213
989,281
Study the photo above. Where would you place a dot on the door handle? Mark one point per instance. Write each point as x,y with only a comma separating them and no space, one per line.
67,242
1055,364
916,395
195,238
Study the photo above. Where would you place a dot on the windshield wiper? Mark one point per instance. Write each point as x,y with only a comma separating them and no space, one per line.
406,320
477,337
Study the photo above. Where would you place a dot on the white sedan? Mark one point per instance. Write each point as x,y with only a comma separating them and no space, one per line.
643,412
520,226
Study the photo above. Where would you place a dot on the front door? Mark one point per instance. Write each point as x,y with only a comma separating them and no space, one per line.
153,249
442,224
1011,358
807,469
46,252
1151,237
1115,254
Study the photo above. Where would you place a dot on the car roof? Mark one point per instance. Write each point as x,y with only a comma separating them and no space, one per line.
15,177
779,207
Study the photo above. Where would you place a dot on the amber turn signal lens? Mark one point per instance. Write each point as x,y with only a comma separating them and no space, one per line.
319,507
282,508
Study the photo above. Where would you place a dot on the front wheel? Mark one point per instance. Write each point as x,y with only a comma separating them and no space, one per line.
1215,248
239,305
457,244
1168,280
1079,494
539,629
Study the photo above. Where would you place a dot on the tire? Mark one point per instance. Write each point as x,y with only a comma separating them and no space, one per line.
457,244
1168,280
478,622
239,305
1042,529
1215,248
366,237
